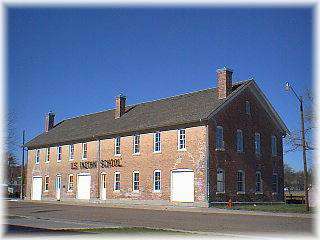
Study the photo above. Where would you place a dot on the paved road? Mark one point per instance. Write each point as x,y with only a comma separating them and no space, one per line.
62,216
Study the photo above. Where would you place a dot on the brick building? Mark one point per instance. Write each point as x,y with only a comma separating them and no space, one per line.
201,148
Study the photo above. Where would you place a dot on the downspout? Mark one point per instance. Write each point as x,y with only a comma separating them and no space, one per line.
207,156
99,173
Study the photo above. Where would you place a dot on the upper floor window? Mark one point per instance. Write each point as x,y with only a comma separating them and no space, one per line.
84,150
71,151
70,182
248,108
220,180
257,143
48,155
240,181
275,183
117,146
117,181
182,139
46,183
135,181
239,138
59,153
157,142
136,144
219,138
258,182
157,180
37,156
273,145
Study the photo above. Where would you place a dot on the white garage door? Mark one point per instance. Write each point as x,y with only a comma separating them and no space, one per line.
36,188
182,186
84,182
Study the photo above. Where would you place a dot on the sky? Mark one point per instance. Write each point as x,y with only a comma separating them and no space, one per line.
74,61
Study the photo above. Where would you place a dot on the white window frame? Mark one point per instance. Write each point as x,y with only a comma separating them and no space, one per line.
47,155
243,182
69,185
59,153
37,156
277,183
46,183
182,138
115,181
220,148
71,156
154,180
136,144
223,181
257,143
239,141
117,146
133,181
84,150
256,182
156,142
274,146
247,107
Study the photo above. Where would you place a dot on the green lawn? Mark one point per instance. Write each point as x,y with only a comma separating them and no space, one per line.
286,208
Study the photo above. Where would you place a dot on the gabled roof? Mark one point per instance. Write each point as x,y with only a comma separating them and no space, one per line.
190,108
177,110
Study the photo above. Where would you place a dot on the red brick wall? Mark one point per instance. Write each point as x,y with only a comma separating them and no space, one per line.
146,162
233,117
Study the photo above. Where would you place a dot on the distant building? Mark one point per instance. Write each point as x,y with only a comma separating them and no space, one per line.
202,147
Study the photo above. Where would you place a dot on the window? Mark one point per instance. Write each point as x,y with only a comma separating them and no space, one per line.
48,155
248,110
240,181
37,156
84,150
239,138
59,150
46,183
219,138
157,142
116,181
70,183
258,182
257,143
274,183
136,144
135,181
117,146
220,180
273,146
71,151
157,181
182,139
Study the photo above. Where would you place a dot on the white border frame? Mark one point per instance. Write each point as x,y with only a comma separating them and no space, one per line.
154,181
114,181
135,191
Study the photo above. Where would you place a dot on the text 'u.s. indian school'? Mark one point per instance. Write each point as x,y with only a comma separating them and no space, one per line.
200,148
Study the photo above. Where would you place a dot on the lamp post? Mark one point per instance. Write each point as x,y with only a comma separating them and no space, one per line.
288,87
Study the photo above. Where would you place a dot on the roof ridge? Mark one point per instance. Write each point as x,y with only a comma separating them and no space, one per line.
160,99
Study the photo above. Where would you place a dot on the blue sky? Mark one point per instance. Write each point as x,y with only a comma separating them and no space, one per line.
75,61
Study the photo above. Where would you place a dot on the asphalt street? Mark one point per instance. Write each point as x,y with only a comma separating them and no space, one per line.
64,216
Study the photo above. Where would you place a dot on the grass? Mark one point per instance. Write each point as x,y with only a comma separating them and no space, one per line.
131,230
280,207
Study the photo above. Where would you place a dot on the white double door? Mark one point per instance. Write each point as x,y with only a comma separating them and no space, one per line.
36,188
84,186
58,187
182,185
103,186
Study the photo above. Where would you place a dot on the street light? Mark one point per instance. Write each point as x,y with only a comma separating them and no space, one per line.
288,87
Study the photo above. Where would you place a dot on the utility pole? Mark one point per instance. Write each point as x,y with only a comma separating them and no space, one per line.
304,146
22,165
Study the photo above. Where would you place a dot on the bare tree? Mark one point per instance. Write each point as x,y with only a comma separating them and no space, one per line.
294,141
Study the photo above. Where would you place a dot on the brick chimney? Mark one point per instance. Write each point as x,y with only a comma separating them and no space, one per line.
224,82
120,105
49,121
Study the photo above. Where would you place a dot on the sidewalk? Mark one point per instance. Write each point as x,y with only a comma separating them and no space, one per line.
205,210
